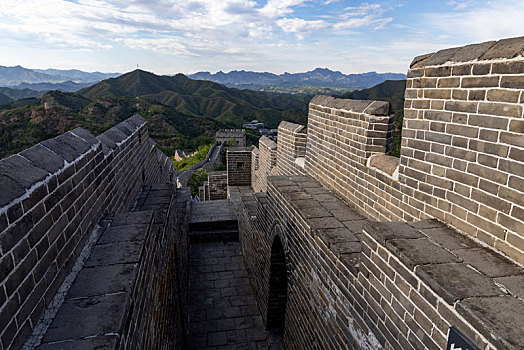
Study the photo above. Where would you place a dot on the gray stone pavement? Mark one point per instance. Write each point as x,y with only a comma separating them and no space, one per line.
223,311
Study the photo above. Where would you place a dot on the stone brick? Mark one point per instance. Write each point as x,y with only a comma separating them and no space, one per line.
516,126
437,93
517,154
437,72
500,109
464,69
481,69
477,95
457,106
480,82
512,82
499,95
512,139
508,67
449,82
459,94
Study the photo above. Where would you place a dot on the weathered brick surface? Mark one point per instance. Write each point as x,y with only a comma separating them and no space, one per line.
235,136
238,166
369,285
266,161
462,143
66,185
216,185
158,307
291,147
486,110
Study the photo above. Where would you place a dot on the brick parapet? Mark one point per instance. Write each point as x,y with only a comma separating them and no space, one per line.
58,190
217,185
462,150
267,160
239,166
291,145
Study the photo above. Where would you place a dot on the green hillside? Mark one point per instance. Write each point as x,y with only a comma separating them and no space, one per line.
4,99
181,113
202,98
17,94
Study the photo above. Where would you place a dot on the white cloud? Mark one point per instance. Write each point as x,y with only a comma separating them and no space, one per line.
279,8
491,20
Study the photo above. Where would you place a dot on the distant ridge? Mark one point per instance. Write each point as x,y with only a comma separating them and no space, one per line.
319,77
14,76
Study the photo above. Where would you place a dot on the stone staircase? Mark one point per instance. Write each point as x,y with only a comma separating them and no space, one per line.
212,221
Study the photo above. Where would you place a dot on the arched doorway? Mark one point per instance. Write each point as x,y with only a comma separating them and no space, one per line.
276,306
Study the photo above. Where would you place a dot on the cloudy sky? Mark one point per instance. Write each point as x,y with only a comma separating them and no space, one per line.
170,36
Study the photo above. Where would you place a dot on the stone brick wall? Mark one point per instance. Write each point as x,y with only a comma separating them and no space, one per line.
239,166
255,217
217,183
357,284
267,159
342,137
52,196
422,278
156,314
291,146
463,143
255,155
238,136
462,148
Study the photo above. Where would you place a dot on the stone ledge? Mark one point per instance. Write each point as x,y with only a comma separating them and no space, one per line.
96,303
477,282
502,49
380,108
268,143
292,127
388,165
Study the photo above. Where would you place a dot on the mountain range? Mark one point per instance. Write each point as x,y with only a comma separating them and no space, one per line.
319,77
182,113
18,76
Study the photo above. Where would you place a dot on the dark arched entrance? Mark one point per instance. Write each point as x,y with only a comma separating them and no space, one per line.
276,306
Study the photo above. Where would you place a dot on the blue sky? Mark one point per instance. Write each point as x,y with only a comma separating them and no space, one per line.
170,36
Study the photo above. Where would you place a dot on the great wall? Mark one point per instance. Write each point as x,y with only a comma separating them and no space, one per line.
318,241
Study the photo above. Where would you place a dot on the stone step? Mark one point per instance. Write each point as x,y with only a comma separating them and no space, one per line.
213,225
213,235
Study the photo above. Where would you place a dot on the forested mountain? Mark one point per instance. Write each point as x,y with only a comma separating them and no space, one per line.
4,99
182,113
319,77
66,86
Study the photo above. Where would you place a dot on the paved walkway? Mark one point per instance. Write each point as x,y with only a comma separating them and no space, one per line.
223,311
